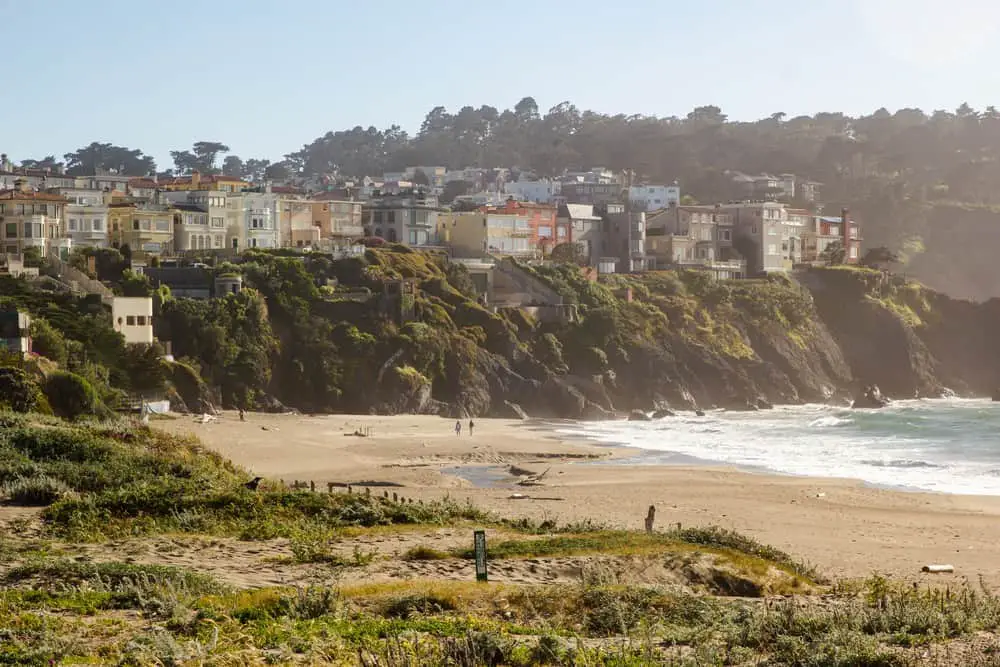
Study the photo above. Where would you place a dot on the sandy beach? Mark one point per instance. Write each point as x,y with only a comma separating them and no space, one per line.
844,527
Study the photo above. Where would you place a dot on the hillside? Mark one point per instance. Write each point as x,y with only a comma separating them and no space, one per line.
323,335
122,545
683,340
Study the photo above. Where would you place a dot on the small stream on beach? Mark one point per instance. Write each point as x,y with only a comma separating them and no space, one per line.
945,445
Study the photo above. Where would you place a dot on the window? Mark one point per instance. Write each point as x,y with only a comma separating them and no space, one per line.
140,320
772,249
834,230
41,209
218,241
11,231
98,225
28,231
218,222
71,224
130,320
725,235
390,217
163,225
561,232
135,225
545,232
854,252
771,231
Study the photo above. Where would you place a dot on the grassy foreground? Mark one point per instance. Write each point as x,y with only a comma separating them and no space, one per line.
698,596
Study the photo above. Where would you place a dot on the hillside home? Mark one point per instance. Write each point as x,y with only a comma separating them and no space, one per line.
132,317
694,237
32,219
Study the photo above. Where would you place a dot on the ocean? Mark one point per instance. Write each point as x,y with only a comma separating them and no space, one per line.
945,445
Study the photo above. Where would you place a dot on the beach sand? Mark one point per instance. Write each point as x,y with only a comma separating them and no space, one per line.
842,526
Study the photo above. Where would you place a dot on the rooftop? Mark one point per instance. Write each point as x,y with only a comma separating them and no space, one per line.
33,195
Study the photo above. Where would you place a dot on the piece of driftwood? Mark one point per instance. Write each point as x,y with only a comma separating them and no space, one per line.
938,569
650,516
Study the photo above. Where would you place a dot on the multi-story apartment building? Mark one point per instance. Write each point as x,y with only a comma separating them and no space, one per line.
339,222
763,234
514,229
258,225
199,218
85,218
654,197
32,219
825,231
38,179
624,238
146,228
103,181
410,217
694,237
296,223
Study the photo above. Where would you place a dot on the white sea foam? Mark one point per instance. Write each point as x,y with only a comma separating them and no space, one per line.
946,445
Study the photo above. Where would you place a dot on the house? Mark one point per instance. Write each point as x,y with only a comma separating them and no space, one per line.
103,180
541,192
15,327
591,193
654,197
339,222
624,238
142,189
38,179
33,219
132,317
199,218
86,214
409,217
583,227
825,231
296,223
147,229
762,235
198,181
693,237
514,229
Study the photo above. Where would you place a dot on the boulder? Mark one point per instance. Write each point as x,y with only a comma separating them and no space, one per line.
764,404
699,413
638,416
663,412
870,397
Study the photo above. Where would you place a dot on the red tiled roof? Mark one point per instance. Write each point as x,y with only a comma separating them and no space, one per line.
10,195
147,183
204,178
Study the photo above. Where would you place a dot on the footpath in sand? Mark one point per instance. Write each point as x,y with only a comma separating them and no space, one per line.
841,526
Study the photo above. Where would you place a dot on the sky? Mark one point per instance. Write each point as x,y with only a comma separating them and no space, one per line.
267,76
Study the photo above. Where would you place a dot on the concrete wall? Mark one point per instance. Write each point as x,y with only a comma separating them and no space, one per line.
133,318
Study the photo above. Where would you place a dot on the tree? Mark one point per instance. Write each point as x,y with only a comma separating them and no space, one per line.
233,166
47,341
255,170
834,254
47,162
420,178
108,157
32,257
202,157
569,253
879,256
453,189
69,395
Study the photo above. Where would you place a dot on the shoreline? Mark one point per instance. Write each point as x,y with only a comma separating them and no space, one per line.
843,526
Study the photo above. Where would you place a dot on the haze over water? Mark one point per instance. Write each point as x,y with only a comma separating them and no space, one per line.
944,445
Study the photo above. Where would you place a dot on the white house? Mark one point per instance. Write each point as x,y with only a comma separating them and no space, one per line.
654,197
132,317
539,192
86,216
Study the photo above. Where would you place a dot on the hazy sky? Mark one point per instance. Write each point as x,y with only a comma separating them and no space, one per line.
266,76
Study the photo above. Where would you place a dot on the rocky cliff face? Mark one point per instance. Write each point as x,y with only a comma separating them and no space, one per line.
652,341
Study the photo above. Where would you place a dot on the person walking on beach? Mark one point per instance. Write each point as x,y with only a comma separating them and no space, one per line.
472,425
458,427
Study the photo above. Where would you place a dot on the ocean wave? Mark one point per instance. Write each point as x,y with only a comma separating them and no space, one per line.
900,463
947,445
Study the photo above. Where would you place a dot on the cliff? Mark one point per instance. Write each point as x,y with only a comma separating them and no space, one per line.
623,343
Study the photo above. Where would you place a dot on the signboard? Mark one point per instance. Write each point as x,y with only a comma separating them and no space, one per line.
479,542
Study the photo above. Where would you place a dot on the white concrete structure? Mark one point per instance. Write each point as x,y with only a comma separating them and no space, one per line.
539,192
132,317
199,219
655,197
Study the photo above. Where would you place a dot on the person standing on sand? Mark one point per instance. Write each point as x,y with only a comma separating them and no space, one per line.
472,425
458,427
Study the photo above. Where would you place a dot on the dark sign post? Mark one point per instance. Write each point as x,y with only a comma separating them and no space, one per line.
479,542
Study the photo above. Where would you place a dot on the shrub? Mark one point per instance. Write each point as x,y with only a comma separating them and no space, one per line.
424,553
39,490
18,392
418,603
48,342
70,395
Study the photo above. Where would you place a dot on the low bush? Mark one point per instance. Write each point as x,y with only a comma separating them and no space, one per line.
37,490
70,395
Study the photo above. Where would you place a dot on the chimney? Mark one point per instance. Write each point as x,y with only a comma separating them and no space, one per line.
195,178
845,222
